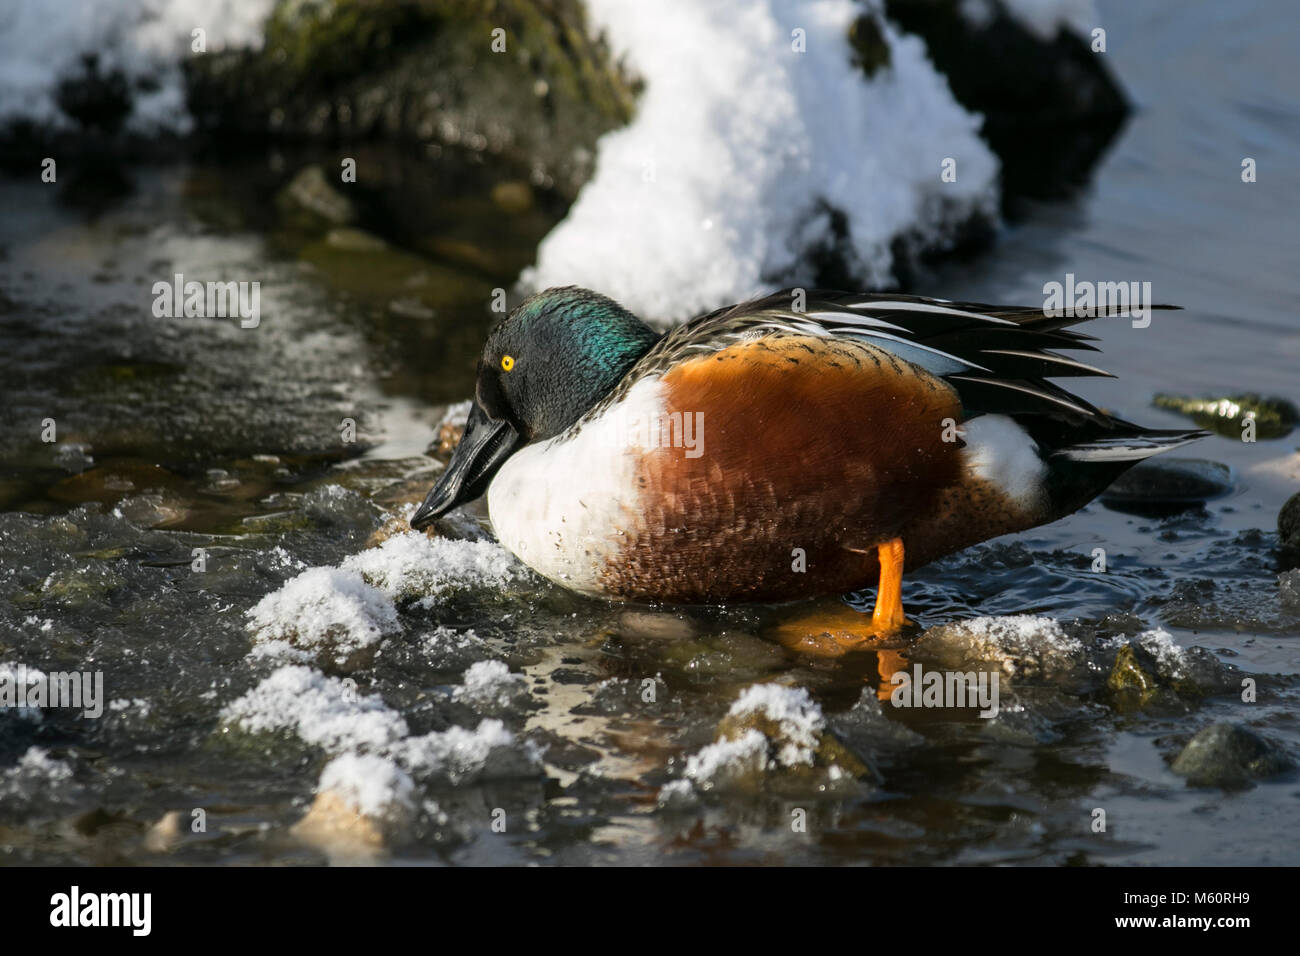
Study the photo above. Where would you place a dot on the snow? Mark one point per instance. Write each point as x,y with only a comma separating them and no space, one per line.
457,414
489,684
412,565
374,786
1170,658
718,762
37,767
321,711
43,42
335,612
713,192
794,711
330,609
799,724
329,713
462,756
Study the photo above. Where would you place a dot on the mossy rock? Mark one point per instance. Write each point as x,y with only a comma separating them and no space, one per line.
424,71
80,586
1131,686
1227,414
1051,106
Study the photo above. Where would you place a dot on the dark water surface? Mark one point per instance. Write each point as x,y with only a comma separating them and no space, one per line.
176,434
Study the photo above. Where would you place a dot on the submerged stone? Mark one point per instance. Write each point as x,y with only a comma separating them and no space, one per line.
312,203
1230,756
1022,647
165,835
1171,481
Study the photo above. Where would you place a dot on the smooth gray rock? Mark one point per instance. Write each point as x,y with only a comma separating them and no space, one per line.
1230,756
1172,481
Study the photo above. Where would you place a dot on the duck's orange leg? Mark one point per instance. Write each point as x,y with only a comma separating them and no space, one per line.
888,615
831,632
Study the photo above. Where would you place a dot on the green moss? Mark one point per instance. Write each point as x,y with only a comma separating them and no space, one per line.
425,71
1131,686
1274,417
325,40
867,40
363,266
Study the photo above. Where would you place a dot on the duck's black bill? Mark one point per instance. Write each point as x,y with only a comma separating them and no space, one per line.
483,449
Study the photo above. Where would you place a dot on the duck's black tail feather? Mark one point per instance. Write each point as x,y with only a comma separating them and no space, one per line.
1079,471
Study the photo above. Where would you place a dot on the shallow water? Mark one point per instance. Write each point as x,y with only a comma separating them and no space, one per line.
177,434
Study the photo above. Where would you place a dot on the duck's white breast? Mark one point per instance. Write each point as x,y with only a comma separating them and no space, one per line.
565,506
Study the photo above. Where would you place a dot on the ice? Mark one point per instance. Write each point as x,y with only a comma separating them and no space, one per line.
36,765
1169,657
413,565
42,44
452,650
489,685
336,612
719,187
1288,589
1019,644
329,610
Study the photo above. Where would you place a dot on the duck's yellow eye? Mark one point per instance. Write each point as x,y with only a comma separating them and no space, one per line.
507,362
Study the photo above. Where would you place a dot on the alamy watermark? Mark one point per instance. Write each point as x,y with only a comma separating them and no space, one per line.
130,910
946,689
1088,299
211,300
683,430
23,688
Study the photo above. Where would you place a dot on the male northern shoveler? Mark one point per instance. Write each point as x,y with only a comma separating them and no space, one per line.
766,453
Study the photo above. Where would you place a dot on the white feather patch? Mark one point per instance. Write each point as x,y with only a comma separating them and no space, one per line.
1000,451
566,506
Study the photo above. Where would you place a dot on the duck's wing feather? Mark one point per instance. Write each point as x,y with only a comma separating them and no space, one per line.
998,358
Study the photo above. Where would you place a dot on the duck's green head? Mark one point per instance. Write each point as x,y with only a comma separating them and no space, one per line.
547,363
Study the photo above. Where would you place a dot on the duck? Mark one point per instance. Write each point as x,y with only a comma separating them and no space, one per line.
806,443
